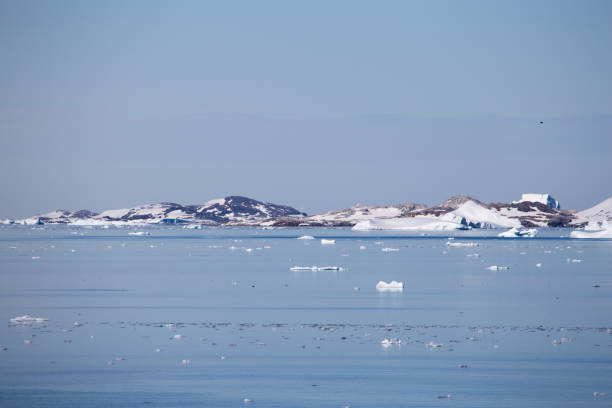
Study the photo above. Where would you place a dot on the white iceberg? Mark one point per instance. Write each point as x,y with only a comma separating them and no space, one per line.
328,241
392,286
306,237
595,230
27,319
518,233
476,215
139,233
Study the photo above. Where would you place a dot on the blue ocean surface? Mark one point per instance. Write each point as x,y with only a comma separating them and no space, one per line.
216,318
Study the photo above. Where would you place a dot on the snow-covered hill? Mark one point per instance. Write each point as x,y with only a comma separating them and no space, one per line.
458,212
232,210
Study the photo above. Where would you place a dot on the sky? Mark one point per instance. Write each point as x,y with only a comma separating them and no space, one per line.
319,105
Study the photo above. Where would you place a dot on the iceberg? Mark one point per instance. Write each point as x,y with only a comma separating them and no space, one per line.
518,233
392,286
328,241
475,215
594,230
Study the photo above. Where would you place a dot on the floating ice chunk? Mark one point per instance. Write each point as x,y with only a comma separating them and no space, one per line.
27,341
518,233
247,400
139,233
316,268
362,247
27,319
186,362
604,232
538,265
249,249
389,249
433,345
389,342
392,286
177,336
444,396
461,244
306,237
498,268
328,241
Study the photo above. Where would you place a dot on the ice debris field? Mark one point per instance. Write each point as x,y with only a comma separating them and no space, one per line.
299,317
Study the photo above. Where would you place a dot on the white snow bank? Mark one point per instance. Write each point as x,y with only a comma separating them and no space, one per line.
598,213
27,319
476,215
328,241
316,268
408,224
519,233
305,237
392,286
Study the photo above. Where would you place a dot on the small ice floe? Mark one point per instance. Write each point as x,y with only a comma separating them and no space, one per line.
475,255
389,249
27,341
518,233
444,396
73,250
538,265
461,244
316,268
574,260
76,324
247,400
362,247
36,257
498,268
356,288
389,342
392,286
306,237
433,345
186,362
27,319
158,350
232,248
328,241
249,249
177,336
139,233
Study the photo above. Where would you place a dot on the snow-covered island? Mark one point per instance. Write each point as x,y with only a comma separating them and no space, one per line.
458,212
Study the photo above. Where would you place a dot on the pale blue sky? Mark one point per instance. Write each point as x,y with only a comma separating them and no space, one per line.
318,105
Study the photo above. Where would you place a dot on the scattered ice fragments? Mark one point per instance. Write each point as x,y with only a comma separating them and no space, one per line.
316,268
389,249
461,244
328,241
139,233
518,233
389,342
305,237
392,286
27,319
498,268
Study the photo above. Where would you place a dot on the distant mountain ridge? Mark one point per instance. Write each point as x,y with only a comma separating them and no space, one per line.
458,212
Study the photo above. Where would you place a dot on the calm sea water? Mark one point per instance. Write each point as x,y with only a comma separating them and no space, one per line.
207,318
